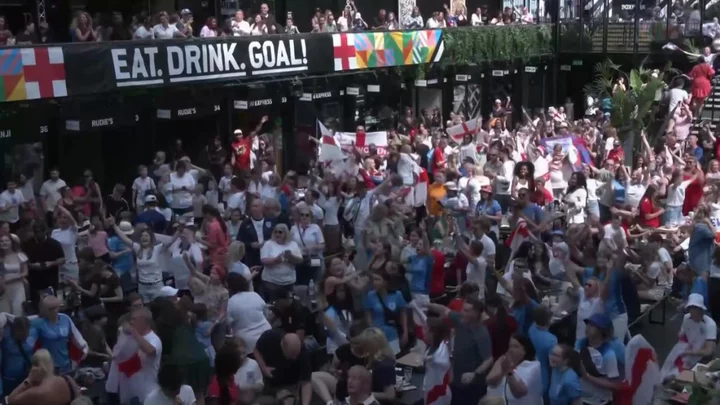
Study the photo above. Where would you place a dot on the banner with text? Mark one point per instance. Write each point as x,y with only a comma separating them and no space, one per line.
111,66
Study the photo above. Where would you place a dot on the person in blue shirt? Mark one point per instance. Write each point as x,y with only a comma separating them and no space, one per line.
386,310
419,271
524,304
608,272
702,242
531,212
122,256
564,380
543,341
151,216
600,370
489,208
53,331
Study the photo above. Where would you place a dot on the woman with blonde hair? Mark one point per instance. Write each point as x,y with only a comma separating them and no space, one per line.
81,28
209,290
279,256
309,237
42,386
380,360
236,252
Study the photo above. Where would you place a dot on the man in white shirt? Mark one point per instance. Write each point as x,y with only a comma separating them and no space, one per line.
236,201
50,194
10,202
165,30
677,94
144,31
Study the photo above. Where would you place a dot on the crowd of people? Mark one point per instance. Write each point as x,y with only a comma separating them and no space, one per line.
164,25
510,258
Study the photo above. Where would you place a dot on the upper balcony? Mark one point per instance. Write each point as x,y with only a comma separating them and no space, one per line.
635,27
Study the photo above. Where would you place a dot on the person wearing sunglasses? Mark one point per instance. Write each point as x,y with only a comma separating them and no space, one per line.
279,255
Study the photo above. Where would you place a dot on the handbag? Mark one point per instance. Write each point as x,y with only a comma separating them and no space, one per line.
308,260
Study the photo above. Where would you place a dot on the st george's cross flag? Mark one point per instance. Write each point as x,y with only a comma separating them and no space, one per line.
329,145
458,132
642,374
363,140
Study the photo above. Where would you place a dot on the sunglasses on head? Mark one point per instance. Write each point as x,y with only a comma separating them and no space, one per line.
279,232
304,215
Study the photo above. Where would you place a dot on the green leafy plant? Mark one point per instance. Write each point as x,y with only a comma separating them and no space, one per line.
631,109
480,45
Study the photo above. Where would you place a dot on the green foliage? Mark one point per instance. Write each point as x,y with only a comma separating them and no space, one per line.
632,107
480,45
575,37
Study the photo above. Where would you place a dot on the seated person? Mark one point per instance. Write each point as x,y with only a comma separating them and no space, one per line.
290,315
285,364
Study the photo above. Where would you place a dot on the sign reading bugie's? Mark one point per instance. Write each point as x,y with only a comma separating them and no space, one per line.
196,62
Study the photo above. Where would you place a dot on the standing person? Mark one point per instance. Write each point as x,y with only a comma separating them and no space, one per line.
385,310
142,185
241,157
564,382
246,311
515,376
216,239
309,237
147,251
11,200
254,232
45,256
170,390
182,184
16,351
543,341
67,234
279,255
55,332
50,194
436,382
15,271
472,351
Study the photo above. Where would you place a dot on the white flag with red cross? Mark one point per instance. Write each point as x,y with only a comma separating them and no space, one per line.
329,146
363,140
457,132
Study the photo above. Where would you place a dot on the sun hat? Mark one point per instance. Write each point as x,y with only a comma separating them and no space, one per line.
696,300
168,291
126,228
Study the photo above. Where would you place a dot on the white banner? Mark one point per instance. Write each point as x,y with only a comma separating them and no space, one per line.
363,141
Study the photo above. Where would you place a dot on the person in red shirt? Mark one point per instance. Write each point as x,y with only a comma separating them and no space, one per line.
439,160
501,326
650,212
242,147
541,196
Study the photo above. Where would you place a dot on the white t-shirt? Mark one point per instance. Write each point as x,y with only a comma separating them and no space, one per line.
224,187
165,33
676,195
68,240
529,373
240,28
237,201
12,202
50,191
143,33
617,235
182,198
246,316
281,273
186,397
142,186
317,212
488,246
144,381
176,264
248,375
148,268
697,333
586,309
676,96
331,206
475,272
634,193
312,235
578,198
503,180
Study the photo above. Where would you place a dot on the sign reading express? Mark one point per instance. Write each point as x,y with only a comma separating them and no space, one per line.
211,61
